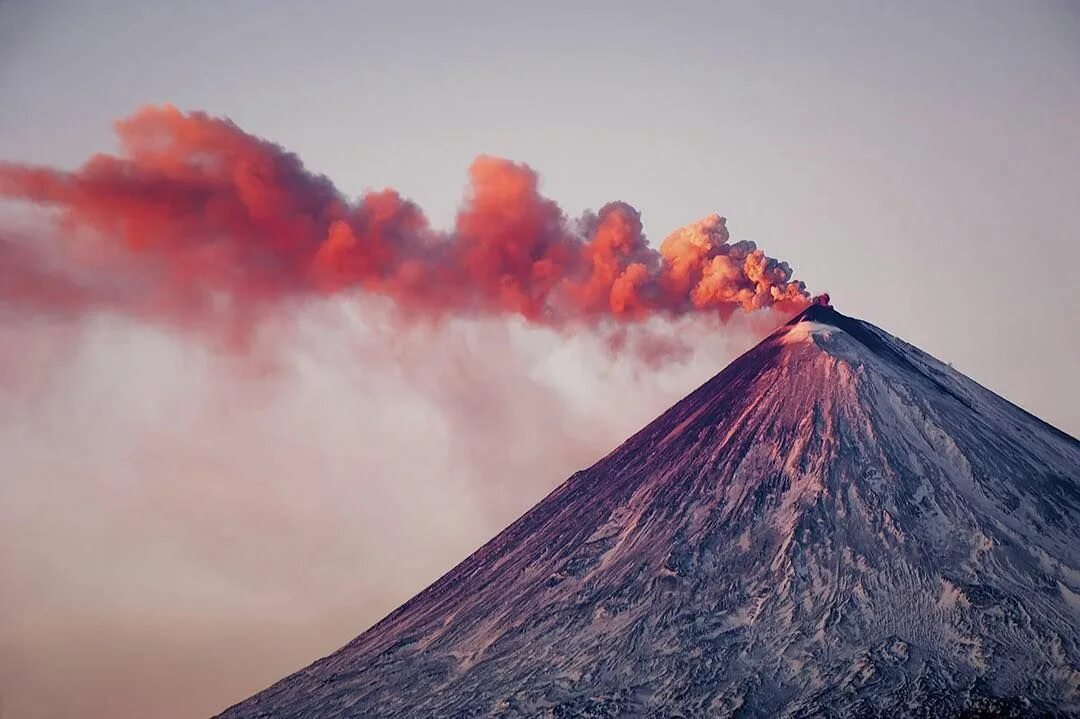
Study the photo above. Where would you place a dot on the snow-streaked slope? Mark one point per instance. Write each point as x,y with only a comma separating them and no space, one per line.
835,525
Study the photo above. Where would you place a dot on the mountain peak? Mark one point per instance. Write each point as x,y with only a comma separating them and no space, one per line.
820,318
819,310
842,527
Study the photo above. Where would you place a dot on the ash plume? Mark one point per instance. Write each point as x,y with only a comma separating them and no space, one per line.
194,218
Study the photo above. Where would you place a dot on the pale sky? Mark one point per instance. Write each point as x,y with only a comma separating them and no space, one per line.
920,161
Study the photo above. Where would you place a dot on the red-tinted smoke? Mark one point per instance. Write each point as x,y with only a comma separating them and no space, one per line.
196,217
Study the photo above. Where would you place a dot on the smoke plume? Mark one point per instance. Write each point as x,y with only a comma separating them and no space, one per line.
174,519
194,218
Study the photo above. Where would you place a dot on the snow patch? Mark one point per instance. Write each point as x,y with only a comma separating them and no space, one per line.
806,332
952,596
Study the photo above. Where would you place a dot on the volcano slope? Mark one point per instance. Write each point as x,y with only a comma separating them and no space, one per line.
836,525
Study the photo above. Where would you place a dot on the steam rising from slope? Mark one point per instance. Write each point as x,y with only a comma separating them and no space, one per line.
196,218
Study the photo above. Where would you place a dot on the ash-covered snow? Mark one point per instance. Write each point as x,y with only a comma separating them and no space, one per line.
835,525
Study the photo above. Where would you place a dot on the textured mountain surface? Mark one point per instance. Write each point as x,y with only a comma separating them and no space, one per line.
835,525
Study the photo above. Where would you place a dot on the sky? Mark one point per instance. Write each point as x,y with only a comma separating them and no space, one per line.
185,526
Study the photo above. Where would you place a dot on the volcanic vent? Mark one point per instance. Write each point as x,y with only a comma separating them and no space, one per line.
835,525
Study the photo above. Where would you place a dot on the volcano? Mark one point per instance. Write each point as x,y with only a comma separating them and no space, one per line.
836,525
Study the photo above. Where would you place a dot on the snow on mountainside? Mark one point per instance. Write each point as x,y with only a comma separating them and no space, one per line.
835,525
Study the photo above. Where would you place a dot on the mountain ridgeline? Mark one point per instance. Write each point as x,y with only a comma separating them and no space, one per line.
836,525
